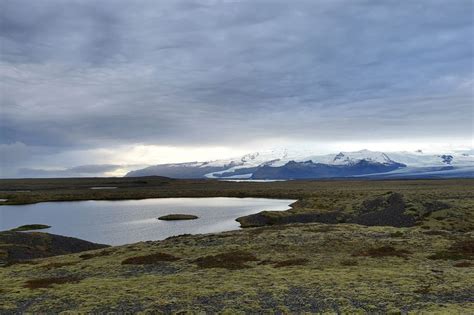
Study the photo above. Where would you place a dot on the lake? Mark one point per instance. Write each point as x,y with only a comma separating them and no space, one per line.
127,221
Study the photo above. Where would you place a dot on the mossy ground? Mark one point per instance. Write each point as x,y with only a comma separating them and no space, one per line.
290,268
296,268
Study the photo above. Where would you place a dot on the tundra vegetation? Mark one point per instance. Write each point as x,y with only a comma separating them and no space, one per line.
344,246
31,227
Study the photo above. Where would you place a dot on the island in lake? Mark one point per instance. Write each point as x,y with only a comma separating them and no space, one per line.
177,217
30,227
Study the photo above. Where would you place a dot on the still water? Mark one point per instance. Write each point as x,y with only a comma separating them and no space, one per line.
127,221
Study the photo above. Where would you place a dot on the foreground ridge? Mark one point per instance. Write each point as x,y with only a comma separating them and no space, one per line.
295,268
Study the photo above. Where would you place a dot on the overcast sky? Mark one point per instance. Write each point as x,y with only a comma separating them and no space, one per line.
98,87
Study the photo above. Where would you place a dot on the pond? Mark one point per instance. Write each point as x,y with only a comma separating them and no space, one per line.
127,221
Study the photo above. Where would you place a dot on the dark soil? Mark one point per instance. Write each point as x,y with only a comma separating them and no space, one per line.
463,264
349,262
228,260
48,282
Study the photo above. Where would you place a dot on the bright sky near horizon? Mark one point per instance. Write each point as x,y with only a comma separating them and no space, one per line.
102,87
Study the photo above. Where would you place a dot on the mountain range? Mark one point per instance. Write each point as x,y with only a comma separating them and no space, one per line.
286,165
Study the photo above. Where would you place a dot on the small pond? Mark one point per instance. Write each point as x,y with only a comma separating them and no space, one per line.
128,221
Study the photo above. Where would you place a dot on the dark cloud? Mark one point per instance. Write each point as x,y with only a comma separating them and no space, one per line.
88,74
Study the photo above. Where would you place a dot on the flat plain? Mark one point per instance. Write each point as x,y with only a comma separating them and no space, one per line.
345,246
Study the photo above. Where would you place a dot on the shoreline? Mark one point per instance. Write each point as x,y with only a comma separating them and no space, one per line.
78,189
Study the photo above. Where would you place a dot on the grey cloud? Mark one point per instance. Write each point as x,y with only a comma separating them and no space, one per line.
86,74
12,153
91,169
77,171
18,154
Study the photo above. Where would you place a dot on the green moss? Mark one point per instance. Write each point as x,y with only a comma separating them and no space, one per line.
291,262
397,234
149,259
349,262
448,255
459,250
93,254
383,251
31,227
58,264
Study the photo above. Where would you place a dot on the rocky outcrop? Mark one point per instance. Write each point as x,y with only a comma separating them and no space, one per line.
19,246
386,210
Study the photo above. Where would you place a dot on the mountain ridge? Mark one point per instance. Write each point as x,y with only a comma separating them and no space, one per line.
285,164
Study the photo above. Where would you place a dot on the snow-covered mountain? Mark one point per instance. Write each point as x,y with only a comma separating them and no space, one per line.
285,164
350,158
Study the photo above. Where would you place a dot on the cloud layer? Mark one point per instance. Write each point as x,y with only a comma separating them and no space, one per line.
83,75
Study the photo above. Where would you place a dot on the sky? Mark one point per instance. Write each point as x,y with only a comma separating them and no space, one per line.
102,87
